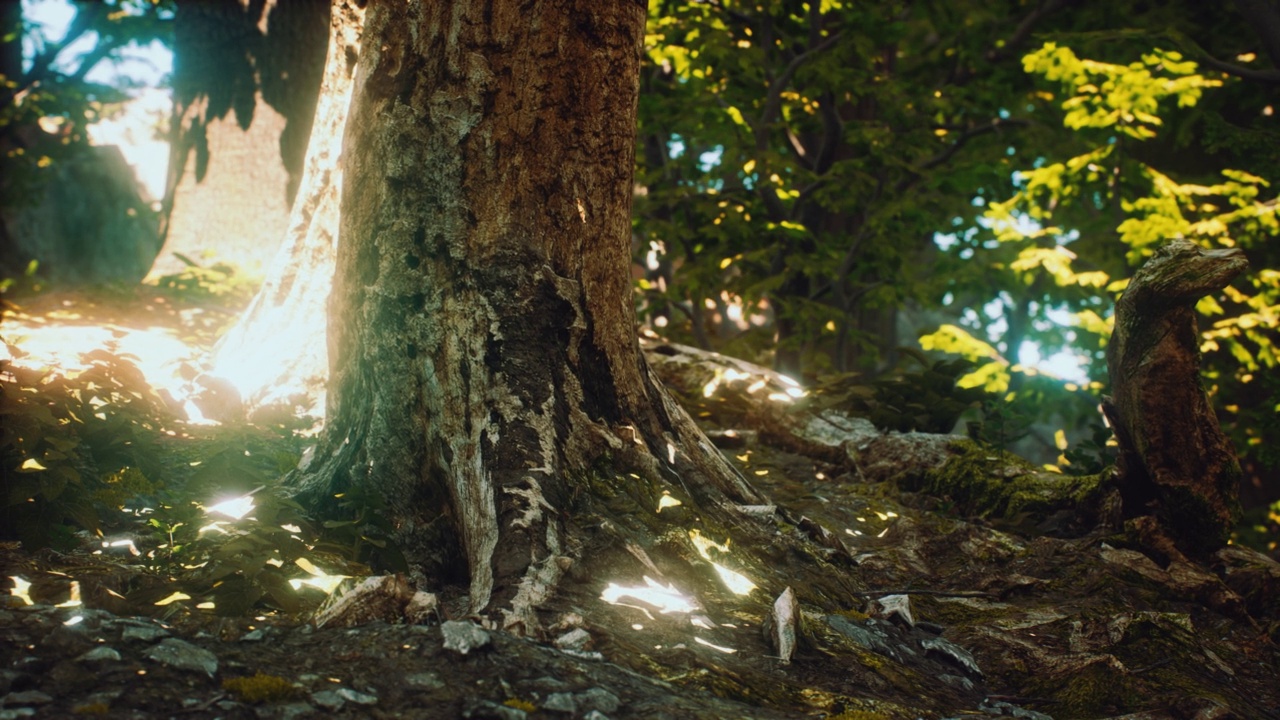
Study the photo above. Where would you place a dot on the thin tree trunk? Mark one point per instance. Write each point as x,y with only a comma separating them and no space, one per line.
485,376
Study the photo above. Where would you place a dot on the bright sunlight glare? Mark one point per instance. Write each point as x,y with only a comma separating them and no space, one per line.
713,646
737,583
235,508
157,353
666,599
21,590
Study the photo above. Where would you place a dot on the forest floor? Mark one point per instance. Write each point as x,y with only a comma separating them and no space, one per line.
955,611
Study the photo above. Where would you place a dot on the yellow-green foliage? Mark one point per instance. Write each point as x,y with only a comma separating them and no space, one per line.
260,688
519,704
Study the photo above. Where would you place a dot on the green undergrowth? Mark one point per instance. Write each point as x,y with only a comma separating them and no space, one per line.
96,465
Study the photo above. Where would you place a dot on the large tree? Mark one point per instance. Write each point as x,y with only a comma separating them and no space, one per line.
485,377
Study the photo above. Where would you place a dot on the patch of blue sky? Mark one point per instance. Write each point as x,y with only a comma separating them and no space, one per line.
133,66
1067,363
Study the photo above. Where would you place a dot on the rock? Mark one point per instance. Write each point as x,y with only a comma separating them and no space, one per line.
782,624
101,654
84,220
142,631
896,606
183,655
952,652
330,700
422,607
576,639
560,702
26,697
423,681
599,699
357,697
291,711
493,711
463,637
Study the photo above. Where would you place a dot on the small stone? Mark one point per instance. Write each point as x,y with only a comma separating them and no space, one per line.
463,637
899,605
183,655
292,711
954,652
963,683
253,636
560,702
357,697
422,607
15,713
26,697
494,711
144,633
227,705
549,684
101,653
595,715
576,639
328,699
782,625
599,699
423,681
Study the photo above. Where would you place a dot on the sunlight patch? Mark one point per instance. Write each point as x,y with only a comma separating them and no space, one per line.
667,599
737,583
21,590
713,646
667,501
235,508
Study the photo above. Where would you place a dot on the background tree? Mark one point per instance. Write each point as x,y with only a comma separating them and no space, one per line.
246,80
807,153
73,208
1150,164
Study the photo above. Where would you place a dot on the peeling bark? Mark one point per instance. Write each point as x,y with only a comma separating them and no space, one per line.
485,377
1174,458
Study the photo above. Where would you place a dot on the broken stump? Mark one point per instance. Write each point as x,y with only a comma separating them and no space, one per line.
1174,459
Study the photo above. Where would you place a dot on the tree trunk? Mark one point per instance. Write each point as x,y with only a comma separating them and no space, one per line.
485,376
276,353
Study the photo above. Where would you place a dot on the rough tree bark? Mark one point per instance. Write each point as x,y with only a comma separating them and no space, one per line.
276,353
485,375
1173,456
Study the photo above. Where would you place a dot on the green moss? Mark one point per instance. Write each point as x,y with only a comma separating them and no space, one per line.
980,481
519,704
261,688
97,708
1096,691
